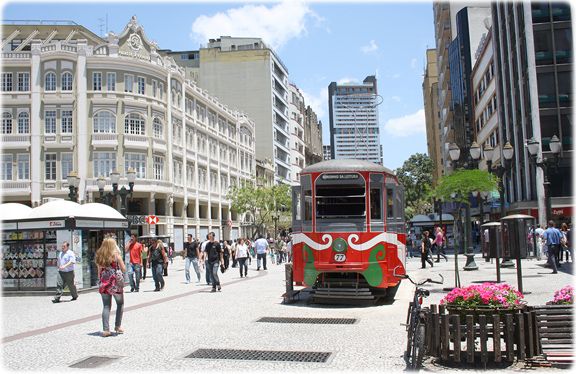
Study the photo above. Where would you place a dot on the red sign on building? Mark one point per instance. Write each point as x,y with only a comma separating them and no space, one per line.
152,220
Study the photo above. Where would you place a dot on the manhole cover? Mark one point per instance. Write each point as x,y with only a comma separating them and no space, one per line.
320,321
93,362
242,354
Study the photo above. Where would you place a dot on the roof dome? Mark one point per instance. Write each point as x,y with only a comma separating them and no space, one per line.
11,211
55,209
97,210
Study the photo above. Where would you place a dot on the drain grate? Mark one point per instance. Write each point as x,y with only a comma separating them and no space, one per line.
251,355
93,362
318,321
532,276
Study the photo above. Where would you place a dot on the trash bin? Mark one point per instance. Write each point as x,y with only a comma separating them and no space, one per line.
517,237
491,240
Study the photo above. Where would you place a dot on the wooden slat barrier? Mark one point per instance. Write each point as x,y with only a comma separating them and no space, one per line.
555,332
483,338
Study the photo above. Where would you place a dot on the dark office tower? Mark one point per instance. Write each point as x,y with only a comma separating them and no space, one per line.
534,64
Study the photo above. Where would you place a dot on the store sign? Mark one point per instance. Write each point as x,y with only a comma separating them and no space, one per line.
8,226
116,225
85,223
55,224
564,211
152,220
136,220
346,176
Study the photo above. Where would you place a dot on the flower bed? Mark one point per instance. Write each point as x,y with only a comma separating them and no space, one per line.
484,296
564,295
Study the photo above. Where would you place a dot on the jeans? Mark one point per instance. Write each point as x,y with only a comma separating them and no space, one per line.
65,278
144,261
134,270
243,265
194,262
157,271
208,273
214,267
553,260
107,301
261,257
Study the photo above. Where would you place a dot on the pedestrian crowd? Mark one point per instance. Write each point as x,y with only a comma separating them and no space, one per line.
209,255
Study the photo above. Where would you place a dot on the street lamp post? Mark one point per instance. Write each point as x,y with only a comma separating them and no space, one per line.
546,164
73,183
500,171
454,152
275,218
110,198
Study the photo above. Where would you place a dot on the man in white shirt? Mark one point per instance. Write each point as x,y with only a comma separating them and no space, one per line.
261,246
205,261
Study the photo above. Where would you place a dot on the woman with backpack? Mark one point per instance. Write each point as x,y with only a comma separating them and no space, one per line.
425,250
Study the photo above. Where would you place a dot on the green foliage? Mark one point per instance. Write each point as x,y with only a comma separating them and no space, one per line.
459,185
262,202
416,177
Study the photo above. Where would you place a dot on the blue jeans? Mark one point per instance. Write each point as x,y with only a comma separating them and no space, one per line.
194,262
134,269
214,267
157,275
243,265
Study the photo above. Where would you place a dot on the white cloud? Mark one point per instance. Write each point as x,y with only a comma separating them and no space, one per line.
413,63
319,102
396,99
408,125
371,47
276,25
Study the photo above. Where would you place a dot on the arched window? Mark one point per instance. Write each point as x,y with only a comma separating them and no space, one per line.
134,124
67,81
158,128
23,123
105,122
50,82
6,123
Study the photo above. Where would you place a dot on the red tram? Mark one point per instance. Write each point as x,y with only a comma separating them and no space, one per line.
348,231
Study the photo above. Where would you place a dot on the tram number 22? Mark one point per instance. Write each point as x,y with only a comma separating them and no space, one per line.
339,257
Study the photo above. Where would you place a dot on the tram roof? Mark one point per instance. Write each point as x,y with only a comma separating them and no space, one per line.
345,165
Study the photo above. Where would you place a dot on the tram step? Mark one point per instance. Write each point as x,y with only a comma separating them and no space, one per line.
344,297
343,289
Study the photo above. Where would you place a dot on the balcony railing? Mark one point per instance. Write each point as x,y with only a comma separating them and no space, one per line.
15,141
16,187
136,141
104,140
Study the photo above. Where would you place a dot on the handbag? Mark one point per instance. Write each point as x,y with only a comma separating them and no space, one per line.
119,276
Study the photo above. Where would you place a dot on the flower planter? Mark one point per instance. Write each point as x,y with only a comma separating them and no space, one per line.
482,311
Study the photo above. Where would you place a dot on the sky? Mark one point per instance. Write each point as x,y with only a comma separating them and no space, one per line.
318,41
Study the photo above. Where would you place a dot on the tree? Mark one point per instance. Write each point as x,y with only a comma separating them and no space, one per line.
416,177
261,202
457,187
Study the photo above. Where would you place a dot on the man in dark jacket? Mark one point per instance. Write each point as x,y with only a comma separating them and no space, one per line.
215,259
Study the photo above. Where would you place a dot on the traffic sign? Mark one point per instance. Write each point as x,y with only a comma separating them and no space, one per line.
152,220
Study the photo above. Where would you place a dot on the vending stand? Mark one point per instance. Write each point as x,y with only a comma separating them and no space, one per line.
31,239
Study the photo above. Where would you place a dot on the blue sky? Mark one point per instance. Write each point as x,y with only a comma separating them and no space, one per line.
319,42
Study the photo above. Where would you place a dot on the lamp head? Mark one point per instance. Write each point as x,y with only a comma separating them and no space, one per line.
533,146
131,175
73,179
475,151
115,177
454,152
508,151
101,182
555,145
488,152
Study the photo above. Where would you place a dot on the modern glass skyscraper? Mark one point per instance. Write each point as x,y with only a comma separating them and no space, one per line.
354,125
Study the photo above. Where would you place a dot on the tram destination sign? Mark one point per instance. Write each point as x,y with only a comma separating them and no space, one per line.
342,176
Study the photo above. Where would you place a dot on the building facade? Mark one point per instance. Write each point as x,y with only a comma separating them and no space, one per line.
248,76
430,95
354,125
312,138
327,151
72,101
297,116
533,61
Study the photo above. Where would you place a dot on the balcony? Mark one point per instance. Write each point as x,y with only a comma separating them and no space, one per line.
159,145
10,188
136,141
19,141
105,140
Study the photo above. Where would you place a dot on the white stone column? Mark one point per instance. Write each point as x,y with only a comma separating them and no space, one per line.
35,125
82,145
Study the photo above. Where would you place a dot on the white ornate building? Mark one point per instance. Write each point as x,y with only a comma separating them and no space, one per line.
72,101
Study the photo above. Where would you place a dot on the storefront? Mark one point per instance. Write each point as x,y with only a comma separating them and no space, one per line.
31,239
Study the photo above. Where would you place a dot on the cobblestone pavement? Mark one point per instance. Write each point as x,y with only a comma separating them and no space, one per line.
162,328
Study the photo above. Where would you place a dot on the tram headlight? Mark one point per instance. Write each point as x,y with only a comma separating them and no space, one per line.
340,245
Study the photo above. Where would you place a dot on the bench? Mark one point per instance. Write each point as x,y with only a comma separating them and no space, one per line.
555,329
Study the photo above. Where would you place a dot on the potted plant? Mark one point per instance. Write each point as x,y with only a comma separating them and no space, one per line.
486,298
563,296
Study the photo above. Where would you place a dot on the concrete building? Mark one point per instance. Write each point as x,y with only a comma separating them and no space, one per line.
312,138
327,152
354,125
248,76
430,95
297,116
533,61
72,101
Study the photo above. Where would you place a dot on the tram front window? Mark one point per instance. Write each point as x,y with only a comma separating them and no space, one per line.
340,205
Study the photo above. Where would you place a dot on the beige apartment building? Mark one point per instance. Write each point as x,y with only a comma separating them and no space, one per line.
73,101
430,94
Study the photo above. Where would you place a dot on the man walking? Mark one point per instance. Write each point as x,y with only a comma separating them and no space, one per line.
215,257
135,266
205,260
65,277
261,246
552,237
191,253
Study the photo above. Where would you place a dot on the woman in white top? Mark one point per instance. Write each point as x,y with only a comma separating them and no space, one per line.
242,256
